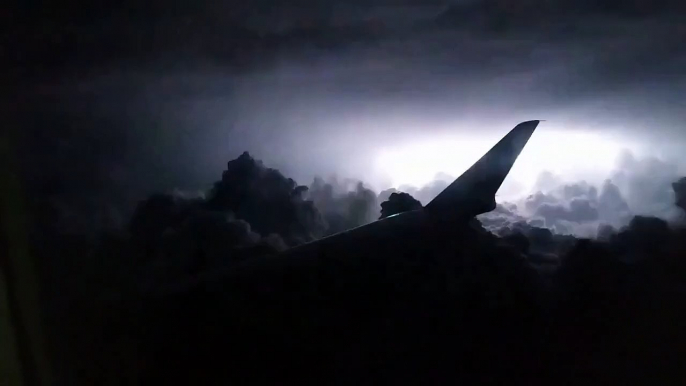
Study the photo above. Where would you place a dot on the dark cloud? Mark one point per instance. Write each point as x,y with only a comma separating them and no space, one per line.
648,183
579,190
428,75
536,200
519,267
680,193
271,202
579,210
503,217
399,203
565,209
611,205
643,238
167,102
344,204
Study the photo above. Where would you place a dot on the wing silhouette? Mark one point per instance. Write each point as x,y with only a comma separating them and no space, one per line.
473,193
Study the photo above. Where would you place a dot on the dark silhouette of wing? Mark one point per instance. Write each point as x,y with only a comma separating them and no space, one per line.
473,193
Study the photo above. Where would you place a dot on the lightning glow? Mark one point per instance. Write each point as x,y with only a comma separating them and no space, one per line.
573,154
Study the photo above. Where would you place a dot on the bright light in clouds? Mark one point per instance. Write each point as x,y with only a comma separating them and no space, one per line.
570,154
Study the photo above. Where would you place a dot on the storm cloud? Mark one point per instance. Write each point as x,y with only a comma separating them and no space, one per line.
156,142
253,210
195,85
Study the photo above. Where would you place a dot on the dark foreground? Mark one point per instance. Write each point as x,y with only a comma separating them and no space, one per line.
474,310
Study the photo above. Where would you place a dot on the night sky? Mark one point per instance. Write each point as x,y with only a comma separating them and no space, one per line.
161,95
154,145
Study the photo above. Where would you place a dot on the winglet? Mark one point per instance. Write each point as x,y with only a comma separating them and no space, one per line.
473,193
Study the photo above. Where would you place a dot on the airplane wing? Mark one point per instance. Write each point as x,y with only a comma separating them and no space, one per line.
473,193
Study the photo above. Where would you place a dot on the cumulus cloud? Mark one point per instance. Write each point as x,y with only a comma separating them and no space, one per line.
270,202
647,184
636,186
344,204
680,193
251,210
399,203
579,210
254,209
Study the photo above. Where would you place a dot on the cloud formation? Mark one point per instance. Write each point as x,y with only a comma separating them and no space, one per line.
398,203
515,261
544,225
637,186
344,204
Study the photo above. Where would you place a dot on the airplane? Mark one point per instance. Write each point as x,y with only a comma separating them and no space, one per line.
374,303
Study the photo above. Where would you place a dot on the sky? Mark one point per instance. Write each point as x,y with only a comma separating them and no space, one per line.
392,94
109,101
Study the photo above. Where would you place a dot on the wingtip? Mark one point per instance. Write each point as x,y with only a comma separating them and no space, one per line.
528,125
474,191
531,122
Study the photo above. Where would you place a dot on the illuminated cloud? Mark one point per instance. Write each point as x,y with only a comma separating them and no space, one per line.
571,153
